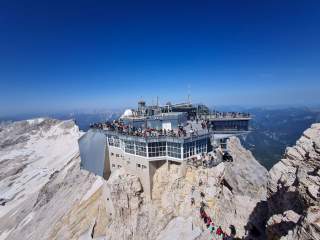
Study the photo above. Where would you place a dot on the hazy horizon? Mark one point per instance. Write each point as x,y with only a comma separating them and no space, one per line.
75,111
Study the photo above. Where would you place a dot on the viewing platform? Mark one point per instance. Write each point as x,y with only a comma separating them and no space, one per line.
144,139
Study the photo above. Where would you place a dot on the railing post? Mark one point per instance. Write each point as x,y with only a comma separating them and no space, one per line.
147,151
167,149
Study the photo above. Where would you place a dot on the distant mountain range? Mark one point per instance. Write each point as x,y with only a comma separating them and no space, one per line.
272,129
275,129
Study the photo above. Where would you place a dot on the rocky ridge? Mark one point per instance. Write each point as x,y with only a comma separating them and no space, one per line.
45,195
294,190
41,184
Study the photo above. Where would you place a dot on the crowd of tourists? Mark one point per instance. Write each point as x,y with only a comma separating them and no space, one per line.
120,127
218,114
209,160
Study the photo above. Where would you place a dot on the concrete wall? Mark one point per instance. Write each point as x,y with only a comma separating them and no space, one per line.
92,147
107,170
136,165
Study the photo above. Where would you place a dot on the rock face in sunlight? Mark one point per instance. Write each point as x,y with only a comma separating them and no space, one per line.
294,190
41,183
45,195
230,199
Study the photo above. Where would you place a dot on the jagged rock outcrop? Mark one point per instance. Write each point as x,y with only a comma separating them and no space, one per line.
294,190
45,195
231,192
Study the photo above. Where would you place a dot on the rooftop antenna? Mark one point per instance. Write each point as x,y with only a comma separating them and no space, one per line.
189,94
157,101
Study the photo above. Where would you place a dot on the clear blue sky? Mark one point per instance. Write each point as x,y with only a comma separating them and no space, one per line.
60,55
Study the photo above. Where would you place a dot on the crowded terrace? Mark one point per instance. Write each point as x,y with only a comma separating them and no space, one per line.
191,128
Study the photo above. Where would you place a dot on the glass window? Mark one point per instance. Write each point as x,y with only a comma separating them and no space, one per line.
157,149
110,140
129,146
114,141
188,149
201,146
174,149
141,149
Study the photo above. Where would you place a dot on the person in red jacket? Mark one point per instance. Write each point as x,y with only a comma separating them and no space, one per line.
219,231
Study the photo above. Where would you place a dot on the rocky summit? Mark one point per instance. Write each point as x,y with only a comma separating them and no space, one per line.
44,194
294,190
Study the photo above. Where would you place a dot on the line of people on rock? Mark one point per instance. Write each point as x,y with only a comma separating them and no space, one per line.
217,232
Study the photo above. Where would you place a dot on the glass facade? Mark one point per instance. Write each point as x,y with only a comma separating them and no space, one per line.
162,148
114,141
223,143
238,125
196,147
157,149
201,146
129,146
141,149
174,149
188,149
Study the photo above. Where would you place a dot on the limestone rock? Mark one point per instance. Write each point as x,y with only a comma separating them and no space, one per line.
294,186
180,229
45,195
42,185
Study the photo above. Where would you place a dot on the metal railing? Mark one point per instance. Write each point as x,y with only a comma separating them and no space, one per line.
158,138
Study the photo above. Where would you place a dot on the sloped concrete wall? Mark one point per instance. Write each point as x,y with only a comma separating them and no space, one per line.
92,147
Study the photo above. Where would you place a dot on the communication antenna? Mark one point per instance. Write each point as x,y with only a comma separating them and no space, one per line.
189,94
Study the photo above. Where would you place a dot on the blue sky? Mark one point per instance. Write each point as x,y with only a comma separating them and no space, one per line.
64,55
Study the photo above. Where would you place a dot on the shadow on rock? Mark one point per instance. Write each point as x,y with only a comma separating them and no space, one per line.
255,228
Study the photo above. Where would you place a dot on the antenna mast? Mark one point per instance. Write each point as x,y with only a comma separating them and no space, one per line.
189,94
